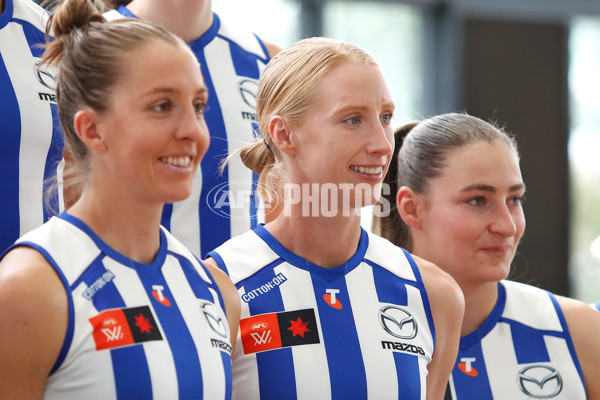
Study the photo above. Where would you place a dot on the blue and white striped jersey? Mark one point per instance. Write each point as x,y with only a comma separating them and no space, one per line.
523,350
135,331
361,330
221,206
32,140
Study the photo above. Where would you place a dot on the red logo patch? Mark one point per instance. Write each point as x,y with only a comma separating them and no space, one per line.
276,330
124,326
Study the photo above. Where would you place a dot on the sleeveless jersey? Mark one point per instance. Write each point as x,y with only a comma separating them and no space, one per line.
32,140
361,330
522,351
221,205
135,331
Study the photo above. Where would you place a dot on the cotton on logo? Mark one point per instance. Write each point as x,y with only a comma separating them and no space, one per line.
261,338
113,334
330,298
466,366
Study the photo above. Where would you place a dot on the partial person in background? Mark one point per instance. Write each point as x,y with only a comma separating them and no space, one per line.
101,302
458,191
221,205
331,311
32,140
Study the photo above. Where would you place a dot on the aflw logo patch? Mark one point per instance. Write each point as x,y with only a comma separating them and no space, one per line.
124,327
276,330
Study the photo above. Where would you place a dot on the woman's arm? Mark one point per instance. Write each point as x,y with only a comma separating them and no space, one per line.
34,310
584,326
448,308
230,297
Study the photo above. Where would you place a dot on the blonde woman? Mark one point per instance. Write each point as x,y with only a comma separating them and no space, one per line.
330,311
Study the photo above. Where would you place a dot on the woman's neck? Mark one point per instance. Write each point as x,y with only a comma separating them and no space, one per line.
480,300
127,226
188,19
325,241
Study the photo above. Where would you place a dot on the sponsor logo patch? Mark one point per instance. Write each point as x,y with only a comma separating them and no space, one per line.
466,366
276,330
123,327
539,381
331,298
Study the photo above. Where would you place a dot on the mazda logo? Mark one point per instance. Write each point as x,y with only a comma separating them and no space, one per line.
44,77
398,322
213,316
539,381
248,89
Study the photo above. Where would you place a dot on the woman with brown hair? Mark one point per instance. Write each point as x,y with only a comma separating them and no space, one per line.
458,191
101,301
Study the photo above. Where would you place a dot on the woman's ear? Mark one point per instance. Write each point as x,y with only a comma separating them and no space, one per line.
409,207
282,135
86,123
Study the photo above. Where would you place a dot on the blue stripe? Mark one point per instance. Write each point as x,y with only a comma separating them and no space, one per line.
529,344
276,377
390,288
244,63
409,376
472,387
176,331
130,365
198,285
35,38
9,154
6,15
342,347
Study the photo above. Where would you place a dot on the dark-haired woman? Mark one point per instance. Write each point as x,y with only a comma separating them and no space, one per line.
458,190
101,302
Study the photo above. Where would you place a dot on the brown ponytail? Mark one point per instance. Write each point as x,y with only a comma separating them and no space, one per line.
388,223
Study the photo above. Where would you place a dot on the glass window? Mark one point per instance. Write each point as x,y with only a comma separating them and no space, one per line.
277,21
391,33
584,145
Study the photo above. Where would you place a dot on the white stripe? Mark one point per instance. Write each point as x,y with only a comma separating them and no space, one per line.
36,124
500,362
239,130
310,361
544,318
380,367
557,348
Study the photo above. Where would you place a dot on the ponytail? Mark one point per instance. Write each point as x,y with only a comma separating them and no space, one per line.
389,224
